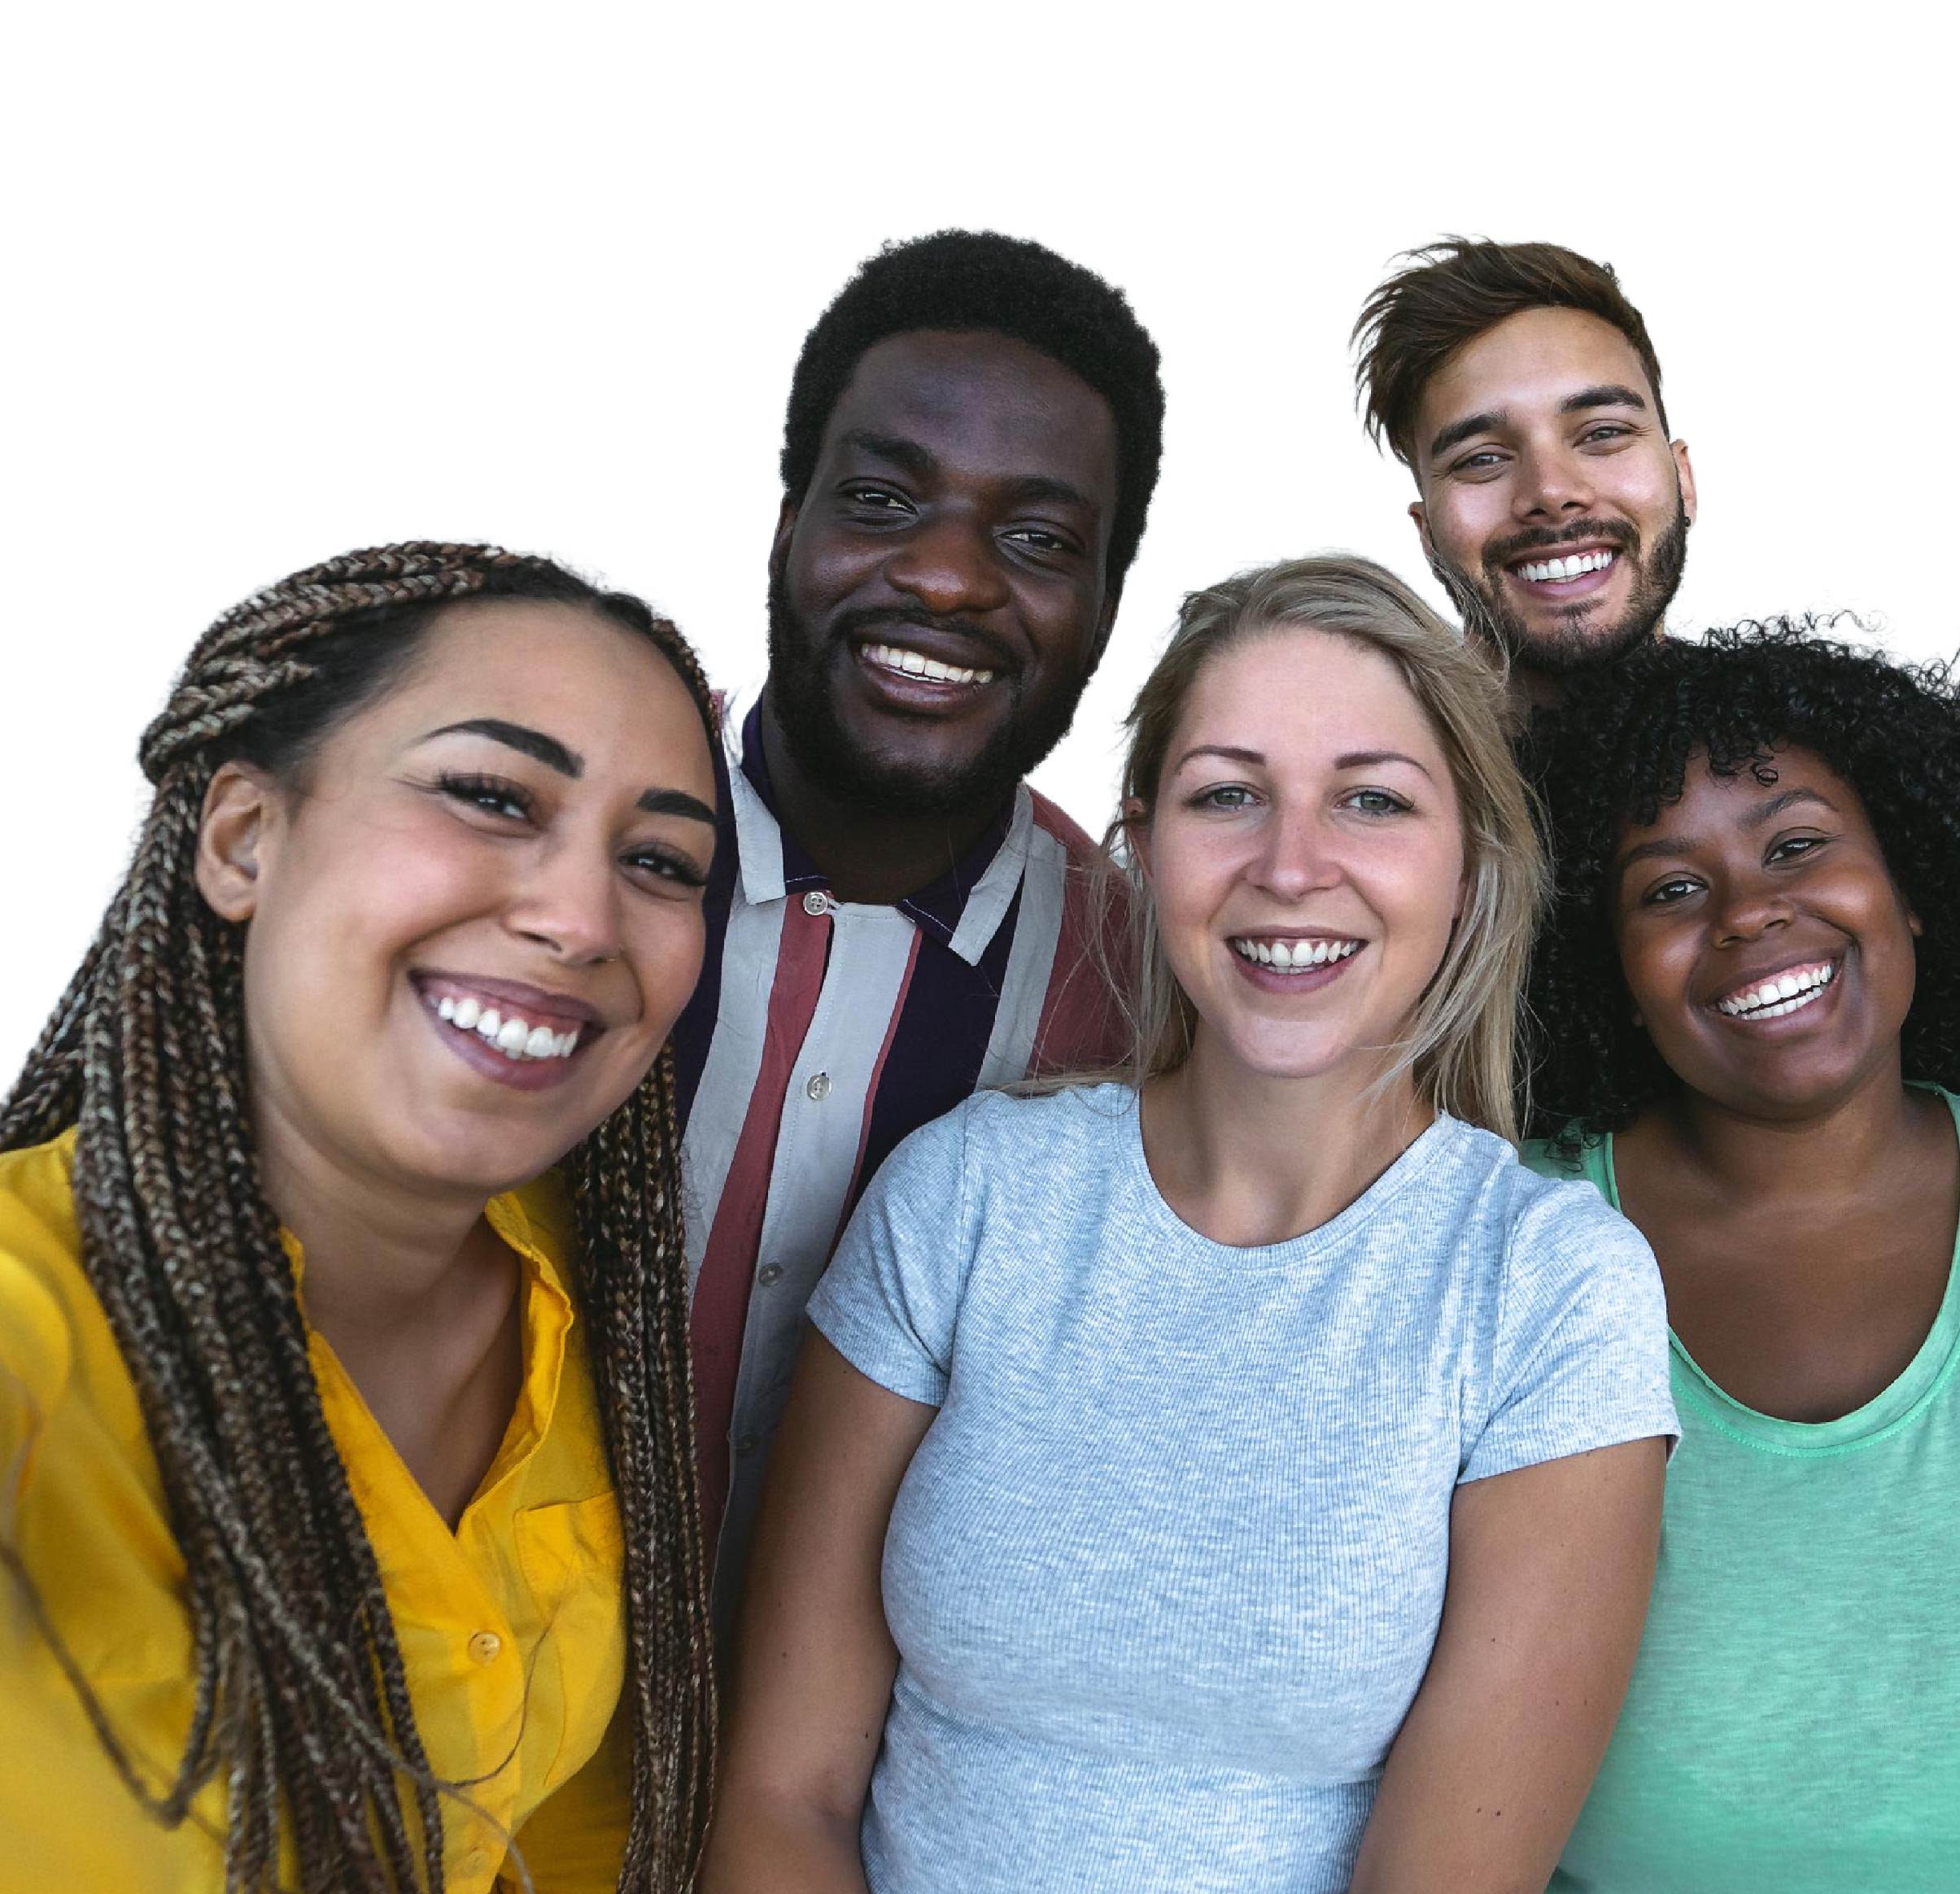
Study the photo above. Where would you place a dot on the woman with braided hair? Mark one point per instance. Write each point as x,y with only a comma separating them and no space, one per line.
346,1476
1748,1005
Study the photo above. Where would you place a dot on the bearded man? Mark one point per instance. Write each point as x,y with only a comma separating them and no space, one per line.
895,919
1517,383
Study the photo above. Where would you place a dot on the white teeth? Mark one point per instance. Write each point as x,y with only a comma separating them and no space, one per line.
915,664
516,1039
1781,994
1293,955
1569,567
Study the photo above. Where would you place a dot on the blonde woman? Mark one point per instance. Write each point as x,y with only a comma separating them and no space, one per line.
1246,1475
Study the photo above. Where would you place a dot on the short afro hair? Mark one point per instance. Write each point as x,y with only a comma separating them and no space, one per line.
976,280
1620,746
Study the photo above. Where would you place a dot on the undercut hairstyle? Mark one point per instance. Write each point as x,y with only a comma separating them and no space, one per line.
1451,291
969,282
303,1705
1620,750
1460,1045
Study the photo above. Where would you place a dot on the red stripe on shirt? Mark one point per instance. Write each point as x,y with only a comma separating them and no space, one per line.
720,1314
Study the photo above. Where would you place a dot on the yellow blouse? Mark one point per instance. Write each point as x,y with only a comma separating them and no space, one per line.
511,1627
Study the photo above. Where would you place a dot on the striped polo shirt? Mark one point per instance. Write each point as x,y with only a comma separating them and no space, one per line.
821,1033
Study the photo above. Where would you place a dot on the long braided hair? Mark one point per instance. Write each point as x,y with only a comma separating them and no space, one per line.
302,1702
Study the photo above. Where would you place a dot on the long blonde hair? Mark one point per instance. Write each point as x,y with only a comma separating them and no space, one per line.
1461,1048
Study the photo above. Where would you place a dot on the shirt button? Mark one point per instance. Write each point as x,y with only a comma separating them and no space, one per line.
818,1088
816,902
484,1647
769,1273
474,1863
745,1446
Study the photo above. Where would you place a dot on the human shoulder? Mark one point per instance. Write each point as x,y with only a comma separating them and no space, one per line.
1052,819
48,1311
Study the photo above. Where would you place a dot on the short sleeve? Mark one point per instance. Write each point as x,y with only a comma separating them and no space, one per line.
890,1298
1579,1357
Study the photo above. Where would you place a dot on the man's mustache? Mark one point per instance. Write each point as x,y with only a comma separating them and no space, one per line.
1615,533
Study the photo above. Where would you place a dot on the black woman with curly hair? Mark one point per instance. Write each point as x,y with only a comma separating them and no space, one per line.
1748,1001
347,1506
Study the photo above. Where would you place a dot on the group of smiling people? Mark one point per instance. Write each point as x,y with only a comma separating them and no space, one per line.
603,1287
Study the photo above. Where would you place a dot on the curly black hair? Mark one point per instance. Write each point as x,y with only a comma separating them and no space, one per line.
977,280
1620,747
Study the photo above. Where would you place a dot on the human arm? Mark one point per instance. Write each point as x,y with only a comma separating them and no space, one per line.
1550,1568
814,1661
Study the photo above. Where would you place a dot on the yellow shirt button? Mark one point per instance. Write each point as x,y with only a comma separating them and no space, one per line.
484,1647
476,1862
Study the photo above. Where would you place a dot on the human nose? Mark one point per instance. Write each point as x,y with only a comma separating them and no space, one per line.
950,564
1293,859
1749,909
1556,482
568,900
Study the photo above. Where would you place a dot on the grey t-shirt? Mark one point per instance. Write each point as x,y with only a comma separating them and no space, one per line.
1166,1570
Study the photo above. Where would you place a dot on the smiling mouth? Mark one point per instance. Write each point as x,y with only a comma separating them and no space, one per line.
524,1033
1294,956
1780,994
901,660
1562,570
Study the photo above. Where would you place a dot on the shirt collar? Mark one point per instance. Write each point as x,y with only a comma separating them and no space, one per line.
962,909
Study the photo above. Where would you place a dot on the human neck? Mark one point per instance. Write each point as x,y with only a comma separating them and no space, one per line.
1828,1156
376,1256
873,857
1248,1159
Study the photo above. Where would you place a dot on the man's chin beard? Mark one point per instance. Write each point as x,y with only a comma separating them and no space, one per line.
802,701
1565,650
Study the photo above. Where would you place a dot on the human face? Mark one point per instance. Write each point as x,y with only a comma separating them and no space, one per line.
521,826
939,596
1770,876
1540,442
1305,855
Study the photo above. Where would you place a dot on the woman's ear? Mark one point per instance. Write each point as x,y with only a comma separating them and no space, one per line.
232,838
1137,832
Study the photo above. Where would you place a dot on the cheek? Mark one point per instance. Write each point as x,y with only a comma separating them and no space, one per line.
666,950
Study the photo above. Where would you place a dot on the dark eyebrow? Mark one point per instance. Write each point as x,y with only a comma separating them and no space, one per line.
1032,489
676,802
1767,810
1606,395
909,454
1461,431
1367,760
534,744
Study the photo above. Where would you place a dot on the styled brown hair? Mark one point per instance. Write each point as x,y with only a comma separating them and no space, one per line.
302,1707
1449,293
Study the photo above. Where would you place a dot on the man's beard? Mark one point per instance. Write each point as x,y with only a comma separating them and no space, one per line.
1572,645
802,681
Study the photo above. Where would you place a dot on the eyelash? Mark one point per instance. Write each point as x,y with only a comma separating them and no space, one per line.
1209,799
1790,847
478,791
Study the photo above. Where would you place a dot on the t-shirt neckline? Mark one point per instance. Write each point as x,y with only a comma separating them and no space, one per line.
1933,1361
1422,1152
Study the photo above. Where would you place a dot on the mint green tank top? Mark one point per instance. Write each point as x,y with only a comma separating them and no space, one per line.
1793,1724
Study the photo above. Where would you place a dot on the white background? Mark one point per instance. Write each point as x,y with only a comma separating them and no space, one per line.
293,278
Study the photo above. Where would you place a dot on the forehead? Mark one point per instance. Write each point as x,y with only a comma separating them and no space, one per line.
599,688
1527,363
1710,804
1300,694
985,404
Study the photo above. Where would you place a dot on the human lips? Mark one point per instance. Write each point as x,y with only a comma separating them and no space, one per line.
508,1030
1293,963
1777,995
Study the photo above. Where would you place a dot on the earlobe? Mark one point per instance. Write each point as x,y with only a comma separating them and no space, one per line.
231,841
1420,514
1136,833
786,524
1685,472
